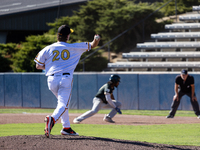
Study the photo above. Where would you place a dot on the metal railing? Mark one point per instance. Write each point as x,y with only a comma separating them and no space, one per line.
141,21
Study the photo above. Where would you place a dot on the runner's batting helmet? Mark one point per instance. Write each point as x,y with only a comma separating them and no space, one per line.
114,78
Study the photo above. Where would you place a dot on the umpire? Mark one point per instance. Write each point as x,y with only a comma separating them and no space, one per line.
184,85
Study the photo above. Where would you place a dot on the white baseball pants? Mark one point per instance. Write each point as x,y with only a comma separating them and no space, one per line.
61,87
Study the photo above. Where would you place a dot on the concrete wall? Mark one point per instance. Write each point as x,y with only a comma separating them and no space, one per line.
138,91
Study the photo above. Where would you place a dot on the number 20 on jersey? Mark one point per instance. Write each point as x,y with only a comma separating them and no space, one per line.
64,55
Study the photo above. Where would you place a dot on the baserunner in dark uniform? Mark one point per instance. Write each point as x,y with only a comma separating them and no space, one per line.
184,85
104,99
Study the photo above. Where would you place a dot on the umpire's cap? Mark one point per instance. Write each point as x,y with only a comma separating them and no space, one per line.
114,78
183,71
64,30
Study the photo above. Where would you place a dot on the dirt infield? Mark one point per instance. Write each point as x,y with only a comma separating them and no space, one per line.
81,142
98,119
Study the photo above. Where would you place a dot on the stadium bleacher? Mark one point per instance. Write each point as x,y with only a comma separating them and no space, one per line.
176,49
196,8
147,55
182,26
176,35
151,65
164,45
195,17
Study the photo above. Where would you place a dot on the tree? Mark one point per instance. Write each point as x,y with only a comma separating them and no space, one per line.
182,6
94,63
6,54
108,18
23,59
5,64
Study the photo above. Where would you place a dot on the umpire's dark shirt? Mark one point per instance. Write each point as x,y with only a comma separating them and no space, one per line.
185,86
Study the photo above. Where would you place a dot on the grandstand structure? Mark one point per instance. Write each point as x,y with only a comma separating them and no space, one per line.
173,50
21,18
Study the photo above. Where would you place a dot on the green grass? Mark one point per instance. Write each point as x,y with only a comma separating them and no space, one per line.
125,112
19,111
172,134
176,134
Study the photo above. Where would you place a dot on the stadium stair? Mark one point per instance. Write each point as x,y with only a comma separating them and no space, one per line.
171,51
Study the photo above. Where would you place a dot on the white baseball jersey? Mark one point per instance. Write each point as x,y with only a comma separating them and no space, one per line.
61,57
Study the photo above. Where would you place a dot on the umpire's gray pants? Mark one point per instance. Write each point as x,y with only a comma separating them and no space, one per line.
97,105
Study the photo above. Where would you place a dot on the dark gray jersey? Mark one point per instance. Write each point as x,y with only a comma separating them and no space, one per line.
101,93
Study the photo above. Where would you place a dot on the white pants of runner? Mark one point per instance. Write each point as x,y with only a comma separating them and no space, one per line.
97,105
61,87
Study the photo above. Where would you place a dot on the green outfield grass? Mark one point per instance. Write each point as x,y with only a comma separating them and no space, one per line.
172,134
125,112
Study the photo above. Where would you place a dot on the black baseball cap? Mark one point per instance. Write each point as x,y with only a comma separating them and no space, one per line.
183,71
64,30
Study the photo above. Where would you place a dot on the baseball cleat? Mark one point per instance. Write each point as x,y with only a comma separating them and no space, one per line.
170,116
108,119
198,117
68,131
76,121
49,125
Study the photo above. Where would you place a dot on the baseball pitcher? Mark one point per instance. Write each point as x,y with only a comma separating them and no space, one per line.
59,60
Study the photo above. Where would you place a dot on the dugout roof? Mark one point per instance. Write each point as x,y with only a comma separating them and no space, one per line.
16,6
